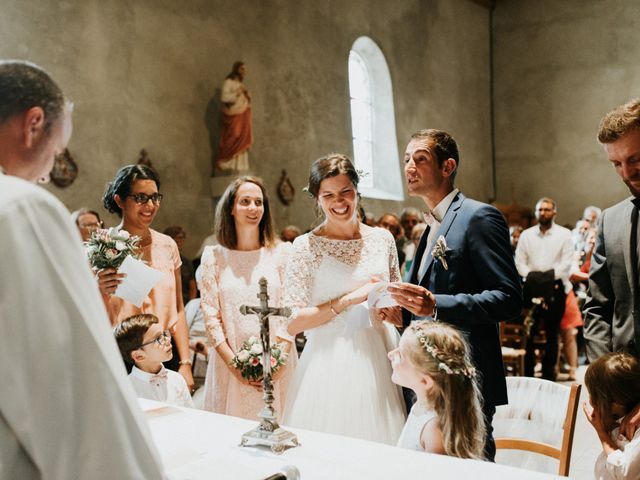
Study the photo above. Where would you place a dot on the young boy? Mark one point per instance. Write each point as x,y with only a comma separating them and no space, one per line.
143,343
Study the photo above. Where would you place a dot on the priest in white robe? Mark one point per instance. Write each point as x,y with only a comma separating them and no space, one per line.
67,410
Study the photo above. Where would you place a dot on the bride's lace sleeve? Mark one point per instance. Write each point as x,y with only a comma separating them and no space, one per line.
280,327
298,278
210,301
394,268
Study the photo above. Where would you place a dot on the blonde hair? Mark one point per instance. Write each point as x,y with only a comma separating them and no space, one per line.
440,351
613,378
619,121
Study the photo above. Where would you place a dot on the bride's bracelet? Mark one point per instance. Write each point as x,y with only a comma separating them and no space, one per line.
335,314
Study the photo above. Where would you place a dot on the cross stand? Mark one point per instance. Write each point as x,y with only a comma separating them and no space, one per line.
268,432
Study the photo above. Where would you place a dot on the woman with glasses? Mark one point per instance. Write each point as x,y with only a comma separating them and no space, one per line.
247,251
87,222
134,196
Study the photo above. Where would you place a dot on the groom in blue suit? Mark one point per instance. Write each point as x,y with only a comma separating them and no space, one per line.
463,272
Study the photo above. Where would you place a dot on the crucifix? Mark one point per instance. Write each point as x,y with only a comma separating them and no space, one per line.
268,432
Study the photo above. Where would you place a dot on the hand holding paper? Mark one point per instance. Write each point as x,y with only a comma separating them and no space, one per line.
379,297
139,281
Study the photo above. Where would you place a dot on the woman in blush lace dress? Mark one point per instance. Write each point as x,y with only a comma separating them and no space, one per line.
247,251
342,384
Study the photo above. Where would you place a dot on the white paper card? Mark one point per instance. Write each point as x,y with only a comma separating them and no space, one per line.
379,297
139,281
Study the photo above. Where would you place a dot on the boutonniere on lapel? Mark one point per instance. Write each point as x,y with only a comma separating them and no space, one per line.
440,250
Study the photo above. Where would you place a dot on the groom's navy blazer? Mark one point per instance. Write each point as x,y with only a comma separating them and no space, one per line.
479,288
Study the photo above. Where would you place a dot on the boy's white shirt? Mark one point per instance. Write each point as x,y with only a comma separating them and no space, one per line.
173,390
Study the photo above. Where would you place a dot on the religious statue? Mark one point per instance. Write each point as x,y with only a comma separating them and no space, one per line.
236,135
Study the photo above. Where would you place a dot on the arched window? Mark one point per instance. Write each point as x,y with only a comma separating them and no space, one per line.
373,124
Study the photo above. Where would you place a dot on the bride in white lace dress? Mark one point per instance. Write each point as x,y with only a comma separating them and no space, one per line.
343,382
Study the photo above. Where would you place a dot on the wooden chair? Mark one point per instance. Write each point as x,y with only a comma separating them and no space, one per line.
514,341
536,421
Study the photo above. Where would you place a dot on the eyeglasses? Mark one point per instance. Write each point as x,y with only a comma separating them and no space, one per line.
142,198
161,339
92,225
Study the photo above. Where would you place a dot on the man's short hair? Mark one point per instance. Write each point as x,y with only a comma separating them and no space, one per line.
408,212
24,85
546,200
130,332
619,121
444,147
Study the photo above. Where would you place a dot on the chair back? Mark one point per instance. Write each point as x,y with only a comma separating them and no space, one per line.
535,430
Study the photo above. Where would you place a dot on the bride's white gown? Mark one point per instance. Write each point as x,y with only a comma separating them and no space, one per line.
342,384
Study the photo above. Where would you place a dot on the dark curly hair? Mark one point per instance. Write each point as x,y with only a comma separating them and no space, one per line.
121,184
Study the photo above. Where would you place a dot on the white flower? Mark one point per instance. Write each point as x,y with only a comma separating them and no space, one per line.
440,250
124,234
256,349
243,355
112,232
252,340
120,245
111,253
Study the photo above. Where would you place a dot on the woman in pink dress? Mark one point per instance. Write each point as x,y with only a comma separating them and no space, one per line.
134,196
247,251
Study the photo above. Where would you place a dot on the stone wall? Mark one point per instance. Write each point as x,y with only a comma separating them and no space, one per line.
146,74
559,67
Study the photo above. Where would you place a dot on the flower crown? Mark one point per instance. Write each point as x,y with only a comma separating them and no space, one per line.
427,344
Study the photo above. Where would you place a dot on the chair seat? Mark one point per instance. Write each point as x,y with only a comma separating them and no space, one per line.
540,418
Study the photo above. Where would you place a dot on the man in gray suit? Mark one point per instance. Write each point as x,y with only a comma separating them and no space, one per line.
612,312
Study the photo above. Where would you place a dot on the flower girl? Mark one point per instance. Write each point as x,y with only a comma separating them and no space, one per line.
613,381
432,359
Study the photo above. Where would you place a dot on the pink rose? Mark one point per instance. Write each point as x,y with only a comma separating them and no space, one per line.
274,362
255,361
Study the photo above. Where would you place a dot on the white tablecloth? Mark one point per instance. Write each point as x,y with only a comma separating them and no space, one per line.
195,444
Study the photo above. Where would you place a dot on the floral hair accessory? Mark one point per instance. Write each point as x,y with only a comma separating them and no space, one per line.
438,356
440,250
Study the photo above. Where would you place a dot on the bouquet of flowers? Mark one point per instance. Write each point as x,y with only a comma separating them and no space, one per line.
109,248
248,358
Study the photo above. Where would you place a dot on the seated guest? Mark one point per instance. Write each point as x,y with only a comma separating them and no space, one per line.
514,236
416,234
391,222
142,342
591,214
433,360
289,233
409,218
187,272
613,381
87,222
195,323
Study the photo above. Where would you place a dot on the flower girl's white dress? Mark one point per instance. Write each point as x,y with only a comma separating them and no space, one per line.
343,382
